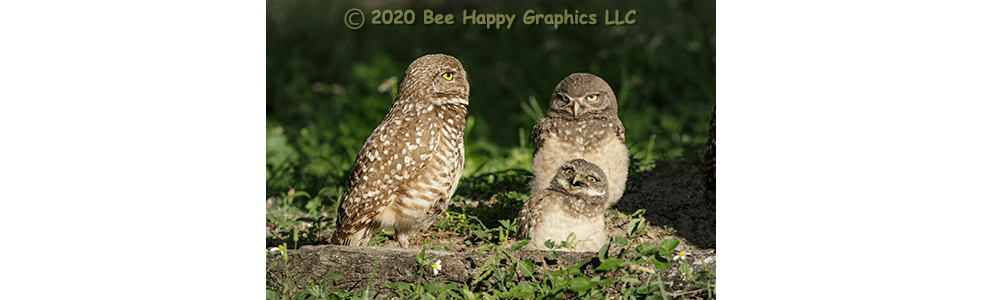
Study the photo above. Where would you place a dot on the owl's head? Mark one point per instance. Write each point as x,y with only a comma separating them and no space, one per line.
583,180
583,94
439,77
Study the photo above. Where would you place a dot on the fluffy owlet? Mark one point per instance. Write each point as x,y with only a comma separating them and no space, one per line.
409,166
582,123
574,202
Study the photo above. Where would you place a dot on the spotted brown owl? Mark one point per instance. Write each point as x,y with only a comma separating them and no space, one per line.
574,202
409,167
582,123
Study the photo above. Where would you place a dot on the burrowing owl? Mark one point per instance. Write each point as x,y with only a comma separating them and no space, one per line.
574,202
710,164
409,166
582,123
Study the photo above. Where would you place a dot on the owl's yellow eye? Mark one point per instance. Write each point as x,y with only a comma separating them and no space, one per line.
591,178
568,171
565,99
592,98
448,76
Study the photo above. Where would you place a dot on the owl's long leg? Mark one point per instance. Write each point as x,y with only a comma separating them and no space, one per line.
403,238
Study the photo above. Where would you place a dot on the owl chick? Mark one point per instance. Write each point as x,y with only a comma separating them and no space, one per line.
574,202
582,123
409,166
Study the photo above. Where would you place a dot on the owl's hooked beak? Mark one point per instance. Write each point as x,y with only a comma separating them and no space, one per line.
576,109
577,182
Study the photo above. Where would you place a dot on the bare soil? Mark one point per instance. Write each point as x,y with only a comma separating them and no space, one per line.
674,195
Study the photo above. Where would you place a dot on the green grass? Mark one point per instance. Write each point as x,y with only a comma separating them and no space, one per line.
620,273
323,99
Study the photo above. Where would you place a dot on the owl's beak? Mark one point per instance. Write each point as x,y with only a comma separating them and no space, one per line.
576,109
577,181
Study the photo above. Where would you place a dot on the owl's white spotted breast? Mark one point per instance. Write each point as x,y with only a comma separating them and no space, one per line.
408,164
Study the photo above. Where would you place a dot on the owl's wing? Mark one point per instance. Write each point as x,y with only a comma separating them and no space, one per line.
527,216
619,130
542,125
391,156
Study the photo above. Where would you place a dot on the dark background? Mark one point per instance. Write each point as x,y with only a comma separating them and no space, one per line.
323,78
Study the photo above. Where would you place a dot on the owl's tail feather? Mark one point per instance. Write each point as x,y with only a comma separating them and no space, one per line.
348,236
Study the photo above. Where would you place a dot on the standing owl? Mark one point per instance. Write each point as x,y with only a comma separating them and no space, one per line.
582,123
574,202
409,166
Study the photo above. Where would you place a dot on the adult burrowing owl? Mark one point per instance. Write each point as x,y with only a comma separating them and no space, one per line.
574,202
408,168
582,123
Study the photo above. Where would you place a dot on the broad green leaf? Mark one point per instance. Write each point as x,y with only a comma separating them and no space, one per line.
550,244
620,241
665,247
580,284
645,249
660,263
552,255
521,291
602,254
467,294
609,264
527,267
561,282
566,245
519,244
527,287
520,294
629,279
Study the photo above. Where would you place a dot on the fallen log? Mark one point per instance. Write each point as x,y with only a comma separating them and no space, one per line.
373,268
